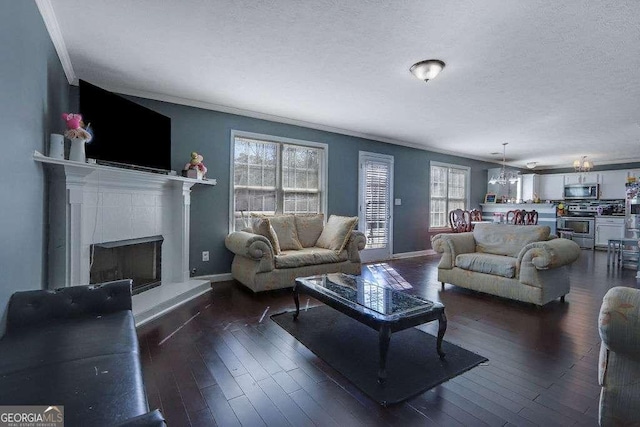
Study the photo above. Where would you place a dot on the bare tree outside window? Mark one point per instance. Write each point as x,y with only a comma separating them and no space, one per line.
274,177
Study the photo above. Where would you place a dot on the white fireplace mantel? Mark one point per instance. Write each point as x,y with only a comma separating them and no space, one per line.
91,203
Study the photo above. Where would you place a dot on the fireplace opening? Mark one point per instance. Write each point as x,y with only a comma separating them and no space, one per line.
136,259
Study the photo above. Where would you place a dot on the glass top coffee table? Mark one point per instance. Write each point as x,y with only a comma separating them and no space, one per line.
375,305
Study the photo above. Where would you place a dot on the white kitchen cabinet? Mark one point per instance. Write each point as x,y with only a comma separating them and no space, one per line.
582,178
530,186
551,186
608,228
612,184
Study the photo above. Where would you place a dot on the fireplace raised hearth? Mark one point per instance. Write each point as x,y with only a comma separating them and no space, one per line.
137,259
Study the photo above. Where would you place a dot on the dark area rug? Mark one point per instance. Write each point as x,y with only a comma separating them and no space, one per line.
351,348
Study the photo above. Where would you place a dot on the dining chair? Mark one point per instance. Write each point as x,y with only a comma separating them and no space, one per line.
460,221
515,217
531,217
476,214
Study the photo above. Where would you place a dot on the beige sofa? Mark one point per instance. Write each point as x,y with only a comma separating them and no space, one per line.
619,366
519,262
276,250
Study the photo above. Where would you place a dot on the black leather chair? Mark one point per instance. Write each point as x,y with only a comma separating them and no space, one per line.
76,347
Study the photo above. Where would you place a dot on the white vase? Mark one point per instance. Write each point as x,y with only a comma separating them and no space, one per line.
77,153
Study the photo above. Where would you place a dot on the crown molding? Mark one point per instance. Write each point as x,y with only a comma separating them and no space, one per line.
51,23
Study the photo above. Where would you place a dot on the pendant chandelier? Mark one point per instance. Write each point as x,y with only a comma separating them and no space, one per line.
582,165
504,176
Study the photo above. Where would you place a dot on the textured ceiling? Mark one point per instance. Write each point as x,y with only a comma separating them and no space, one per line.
556,80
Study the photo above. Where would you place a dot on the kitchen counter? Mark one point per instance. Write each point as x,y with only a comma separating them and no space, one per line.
546,211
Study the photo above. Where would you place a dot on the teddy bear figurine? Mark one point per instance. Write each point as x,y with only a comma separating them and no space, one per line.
195,168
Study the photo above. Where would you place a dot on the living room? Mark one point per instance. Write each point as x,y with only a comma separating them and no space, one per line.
560,90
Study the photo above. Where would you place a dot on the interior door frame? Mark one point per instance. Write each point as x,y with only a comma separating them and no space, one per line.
368,255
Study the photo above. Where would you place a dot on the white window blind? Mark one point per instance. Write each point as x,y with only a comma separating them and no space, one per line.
376,203
448,192
275,177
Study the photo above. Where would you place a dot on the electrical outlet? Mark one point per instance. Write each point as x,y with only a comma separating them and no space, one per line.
205,255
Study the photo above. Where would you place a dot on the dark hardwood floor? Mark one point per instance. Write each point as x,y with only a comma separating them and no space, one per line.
220,360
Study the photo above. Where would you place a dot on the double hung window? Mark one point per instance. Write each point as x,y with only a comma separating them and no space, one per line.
449,190
276,175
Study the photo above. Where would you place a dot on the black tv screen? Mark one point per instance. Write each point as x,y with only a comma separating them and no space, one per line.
124,132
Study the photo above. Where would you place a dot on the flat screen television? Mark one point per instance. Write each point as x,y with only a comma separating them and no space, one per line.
124,133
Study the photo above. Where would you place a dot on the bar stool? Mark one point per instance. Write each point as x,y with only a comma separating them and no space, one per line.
613,248
629,253
626,252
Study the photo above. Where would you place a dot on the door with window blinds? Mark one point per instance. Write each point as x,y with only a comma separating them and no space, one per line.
376,211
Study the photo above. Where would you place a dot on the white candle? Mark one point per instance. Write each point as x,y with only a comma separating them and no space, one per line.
56,146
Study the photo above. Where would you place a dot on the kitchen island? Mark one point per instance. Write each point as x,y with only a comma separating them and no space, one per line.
546,211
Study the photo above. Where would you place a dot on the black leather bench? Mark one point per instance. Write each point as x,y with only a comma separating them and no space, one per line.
76,347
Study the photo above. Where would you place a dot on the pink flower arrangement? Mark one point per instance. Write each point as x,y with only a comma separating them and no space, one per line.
75,127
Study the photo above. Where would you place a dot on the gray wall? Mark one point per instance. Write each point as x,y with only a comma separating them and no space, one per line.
33,94
209,132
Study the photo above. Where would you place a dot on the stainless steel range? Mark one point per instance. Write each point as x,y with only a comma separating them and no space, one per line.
581,220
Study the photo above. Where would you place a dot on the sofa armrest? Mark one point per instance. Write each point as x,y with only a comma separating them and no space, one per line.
150,419
29,308
451,245
357,242
249,245
549,254
619,320
253,247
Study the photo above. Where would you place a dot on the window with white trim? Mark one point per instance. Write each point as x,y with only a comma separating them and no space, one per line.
449,191
276,175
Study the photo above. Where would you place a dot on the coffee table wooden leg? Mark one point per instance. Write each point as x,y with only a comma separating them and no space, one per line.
442,328
297,301
384,338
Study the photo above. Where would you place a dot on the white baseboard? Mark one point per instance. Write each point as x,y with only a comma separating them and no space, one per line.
401,255
223,277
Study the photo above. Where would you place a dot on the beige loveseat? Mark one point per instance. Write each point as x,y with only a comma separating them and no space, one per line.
520,262
276,250
619,366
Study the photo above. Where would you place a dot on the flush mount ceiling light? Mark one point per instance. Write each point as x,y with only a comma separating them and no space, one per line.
427,69
504,176
532,165
582,165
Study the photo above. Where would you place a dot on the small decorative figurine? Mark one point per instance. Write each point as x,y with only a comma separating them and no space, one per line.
195,168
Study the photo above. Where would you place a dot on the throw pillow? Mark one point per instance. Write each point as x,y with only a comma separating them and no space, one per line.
336,233
309,228
263,227
285,228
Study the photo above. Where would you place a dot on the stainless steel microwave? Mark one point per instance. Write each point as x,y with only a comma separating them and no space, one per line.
581,191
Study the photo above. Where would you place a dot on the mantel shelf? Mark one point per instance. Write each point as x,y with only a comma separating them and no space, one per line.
87,168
